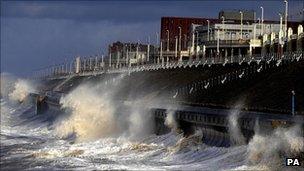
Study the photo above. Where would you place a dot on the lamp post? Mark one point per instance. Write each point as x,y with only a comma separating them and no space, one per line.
259,26
168,38
254,31
156,43
262,18
137,55
161,52
248,29
185,41
281,34
218,42
110,59
286,16
241,24
176,46
180,43
281,21
196,52
102,61
148,49
223,24
208,36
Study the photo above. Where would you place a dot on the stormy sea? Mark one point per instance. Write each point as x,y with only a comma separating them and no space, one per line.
88,134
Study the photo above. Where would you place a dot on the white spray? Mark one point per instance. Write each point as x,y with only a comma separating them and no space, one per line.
7,82
269,150
235,133
94,114
91,114
170,120
21,90
139,123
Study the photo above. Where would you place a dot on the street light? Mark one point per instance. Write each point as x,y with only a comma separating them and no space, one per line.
218,42
176,46
241,24
208,37
180,41
156,39
223,23
168,40
281,34
248,29
185,40
196,52
148,49
254,31
259,26
161,52
262,20
286,15
281,21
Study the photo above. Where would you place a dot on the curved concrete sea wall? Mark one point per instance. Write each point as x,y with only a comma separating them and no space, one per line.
204,95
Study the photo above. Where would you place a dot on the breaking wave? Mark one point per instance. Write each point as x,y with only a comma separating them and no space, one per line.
110,137
236,135
91,114
270,151
15,89
22,88
170,120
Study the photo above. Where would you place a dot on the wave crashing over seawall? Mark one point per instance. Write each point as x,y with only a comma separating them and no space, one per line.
270,149
91,115
106,138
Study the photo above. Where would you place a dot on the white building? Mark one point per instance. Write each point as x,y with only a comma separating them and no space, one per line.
227,39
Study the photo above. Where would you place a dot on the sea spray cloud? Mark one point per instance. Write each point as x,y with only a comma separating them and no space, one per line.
21,89
269,150
140,122
94,113
235,133
170,120
7,84
91,117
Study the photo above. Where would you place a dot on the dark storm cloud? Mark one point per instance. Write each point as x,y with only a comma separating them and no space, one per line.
133,11
40,33
117,11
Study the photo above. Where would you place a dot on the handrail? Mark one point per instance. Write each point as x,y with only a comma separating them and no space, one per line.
95,70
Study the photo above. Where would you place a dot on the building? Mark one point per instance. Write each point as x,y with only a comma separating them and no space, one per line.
235,32
178,27
231,38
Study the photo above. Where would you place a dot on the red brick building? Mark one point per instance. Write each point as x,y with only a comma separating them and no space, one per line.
172,24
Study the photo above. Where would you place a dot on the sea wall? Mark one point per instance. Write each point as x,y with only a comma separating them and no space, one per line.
268,90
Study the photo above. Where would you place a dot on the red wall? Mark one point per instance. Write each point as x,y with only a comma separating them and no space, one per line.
172,24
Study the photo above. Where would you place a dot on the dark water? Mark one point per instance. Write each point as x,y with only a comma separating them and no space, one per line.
29,141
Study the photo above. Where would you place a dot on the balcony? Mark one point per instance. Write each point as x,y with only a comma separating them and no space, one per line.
227,42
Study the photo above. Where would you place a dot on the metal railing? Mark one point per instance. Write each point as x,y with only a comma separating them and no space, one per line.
263,63
90,66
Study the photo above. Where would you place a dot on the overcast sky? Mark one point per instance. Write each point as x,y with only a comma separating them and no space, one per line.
41,33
